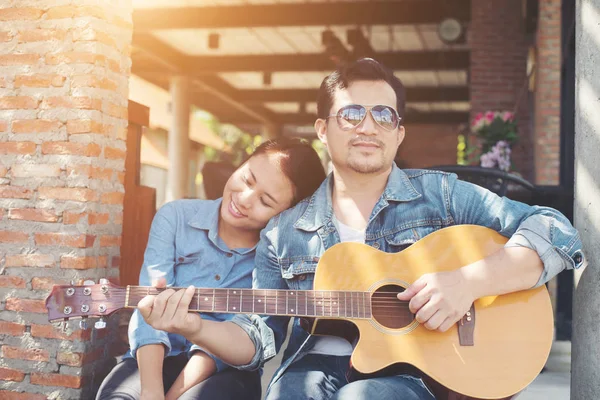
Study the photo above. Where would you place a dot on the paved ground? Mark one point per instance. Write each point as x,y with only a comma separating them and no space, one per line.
549,386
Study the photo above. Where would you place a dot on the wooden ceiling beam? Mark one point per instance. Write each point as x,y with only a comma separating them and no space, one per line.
413,94
302,14
207,65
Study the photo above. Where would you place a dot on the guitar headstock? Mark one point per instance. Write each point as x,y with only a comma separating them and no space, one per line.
82,301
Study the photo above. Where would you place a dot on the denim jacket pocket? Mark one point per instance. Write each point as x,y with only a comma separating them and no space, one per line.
400,240
299,272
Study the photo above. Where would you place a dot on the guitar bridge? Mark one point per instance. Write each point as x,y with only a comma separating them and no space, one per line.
466,328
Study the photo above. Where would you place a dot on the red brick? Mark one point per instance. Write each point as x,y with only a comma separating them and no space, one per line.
98,218
13,237
73,148
26,305
39,80
7,395
114,154
40,35
92,35
35,126
89,262
18,103
89,171
35,170
46,283
71,359
17,148
76,11
3,171
69,381
8,281
110,240
30,260
50,332
3,124
70,218
74,58
82,103
93,81
114,66
7,374
6,36
75,194
25,354
33,214
11,328
64,239
78,359
121,177
20,14
87,126
112,198
118,219
117,111
15,192
18,59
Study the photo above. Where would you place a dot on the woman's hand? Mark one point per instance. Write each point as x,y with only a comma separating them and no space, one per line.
150,394
169,311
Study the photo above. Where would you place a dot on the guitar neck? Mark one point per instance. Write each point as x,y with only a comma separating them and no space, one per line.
301,303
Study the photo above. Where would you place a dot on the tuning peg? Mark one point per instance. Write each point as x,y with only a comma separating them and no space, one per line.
88,282
103,281
83,324
100,324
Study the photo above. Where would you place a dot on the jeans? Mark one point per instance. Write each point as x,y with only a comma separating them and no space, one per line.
123,382
322,377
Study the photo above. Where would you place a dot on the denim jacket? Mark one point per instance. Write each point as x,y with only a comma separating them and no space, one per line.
414,204
185,249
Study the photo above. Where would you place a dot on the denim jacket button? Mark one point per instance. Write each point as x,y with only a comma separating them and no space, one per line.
376,245
577,258
217,277
229,255
302,277
180,259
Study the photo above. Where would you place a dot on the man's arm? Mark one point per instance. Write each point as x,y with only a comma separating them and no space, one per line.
542,243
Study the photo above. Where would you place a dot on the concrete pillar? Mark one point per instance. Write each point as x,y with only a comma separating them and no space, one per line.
585,370
179,142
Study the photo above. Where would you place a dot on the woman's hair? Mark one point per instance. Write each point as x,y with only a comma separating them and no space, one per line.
298,161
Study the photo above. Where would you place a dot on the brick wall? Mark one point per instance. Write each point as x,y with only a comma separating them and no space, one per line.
64,69
428,145
547,93
498,69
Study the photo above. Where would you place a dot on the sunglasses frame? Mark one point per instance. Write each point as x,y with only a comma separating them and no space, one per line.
369,111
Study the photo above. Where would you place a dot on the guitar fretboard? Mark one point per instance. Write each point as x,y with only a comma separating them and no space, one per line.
301,303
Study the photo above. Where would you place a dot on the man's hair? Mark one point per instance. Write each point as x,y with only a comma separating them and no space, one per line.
364,69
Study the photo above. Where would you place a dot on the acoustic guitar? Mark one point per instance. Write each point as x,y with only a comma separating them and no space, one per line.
494,351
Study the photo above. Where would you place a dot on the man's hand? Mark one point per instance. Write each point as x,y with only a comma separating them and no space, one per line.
439,300
169,311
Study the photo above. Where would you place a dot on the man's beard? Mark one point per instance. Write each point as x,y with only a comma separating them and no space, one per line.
377,164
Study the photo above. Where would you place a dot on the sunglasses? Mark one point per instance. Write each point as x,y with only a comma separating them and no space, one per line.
351,116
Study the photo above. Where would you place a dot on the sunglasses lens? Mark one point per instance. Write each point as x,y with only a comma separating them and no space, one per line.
350,116
385,116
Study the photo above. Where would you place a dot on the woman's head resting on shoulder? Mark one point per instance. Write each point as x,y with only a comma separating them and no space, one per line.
279,174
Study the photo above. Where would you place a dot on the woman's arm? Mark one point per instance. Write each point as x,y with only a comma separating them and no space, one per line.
199,367
150,364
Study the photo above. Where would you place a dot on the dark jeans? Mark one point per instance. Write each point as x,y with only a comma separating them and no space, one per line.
322,377
123,382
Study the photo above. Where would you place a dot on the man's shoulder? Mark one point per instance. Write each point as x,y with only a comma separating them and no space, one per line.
294,213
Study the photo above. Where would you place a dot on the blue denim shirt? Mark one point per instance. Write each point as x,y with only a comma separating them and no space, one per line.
185,249
414,204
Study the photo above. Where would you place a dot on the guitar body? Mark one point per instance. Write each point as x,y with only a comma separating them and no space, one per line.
512,333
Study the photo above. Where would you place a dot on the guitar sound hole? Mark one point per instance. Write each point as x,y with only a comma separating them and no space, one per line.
388,310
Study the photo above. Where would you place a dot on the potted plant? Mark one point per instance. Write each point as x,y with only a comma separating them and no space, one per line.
496,132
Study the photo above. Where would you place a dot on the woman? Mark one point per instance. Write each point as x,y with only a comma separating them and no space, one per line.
210,244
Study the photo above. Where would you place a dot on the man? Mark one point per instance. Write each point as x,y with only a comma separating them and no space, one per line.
368,199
